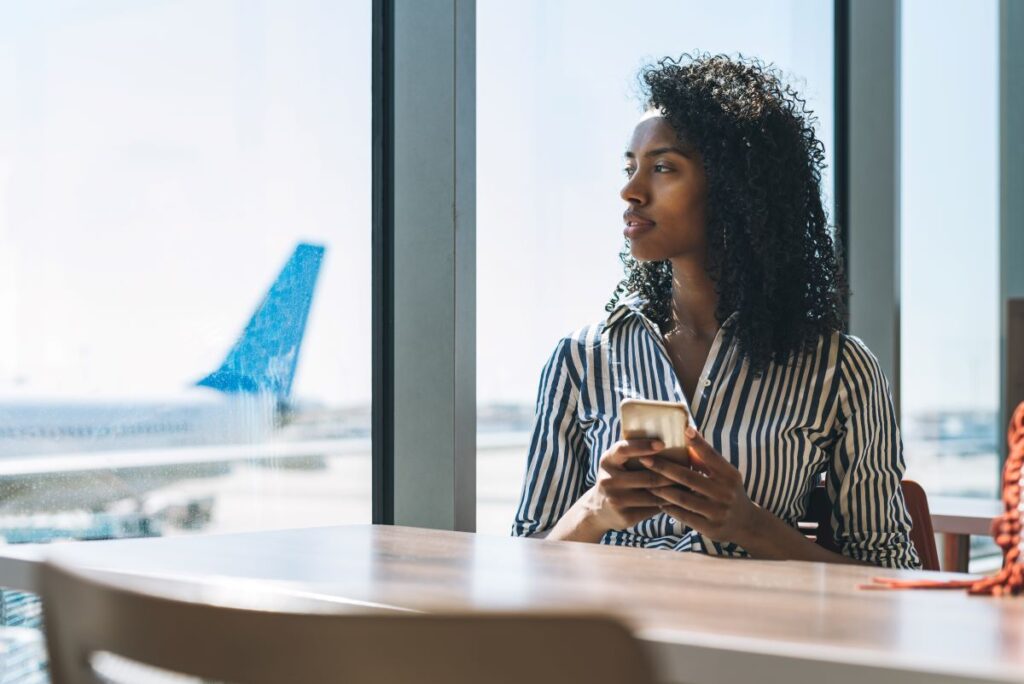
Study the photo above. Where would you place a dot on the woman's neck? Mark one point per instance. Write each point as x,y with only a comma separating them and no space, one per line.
694,299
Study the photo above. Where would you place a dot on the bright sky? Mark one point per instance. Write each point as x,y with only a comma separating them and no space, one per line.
159,160
158,163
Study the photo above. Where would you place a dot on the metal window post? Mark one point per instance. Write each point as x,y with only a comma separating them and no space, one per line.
1011,213
424,274
873,176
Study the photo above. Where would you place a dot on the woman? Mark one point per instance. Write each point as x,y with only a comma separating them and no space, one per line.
731,304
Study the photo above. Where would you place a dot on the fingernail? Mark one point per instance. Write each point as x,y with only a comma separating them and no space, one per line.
657,445
690,432
647,460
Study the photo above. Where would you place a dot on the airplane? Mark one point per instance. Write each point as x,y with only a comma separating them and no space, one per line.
100,451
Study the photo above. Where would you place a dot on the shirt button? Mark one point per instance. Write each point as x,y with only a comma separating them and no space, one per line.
707,383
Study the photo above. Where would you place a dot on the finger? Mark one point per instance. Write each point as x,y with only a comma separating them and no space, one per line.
648,512
684,475
625,449
688,518
703,454
680,455
692,502
634,498
640,479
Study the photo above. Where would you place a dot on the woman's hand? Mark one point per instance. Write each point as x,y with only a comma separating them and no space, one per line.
621,498
708,496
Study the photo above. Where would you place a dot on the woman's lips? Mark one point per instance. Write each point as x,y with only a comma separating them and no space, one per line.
636,228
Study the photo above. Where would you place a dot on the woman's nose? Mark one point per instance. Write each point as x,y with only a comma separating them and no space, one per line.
633,192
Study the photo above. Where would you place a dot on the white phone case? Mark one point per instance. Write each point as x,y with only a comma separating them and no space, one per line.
647,419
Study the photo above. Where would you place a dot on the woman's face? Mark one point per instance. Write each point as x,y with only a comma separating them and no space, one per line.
666,190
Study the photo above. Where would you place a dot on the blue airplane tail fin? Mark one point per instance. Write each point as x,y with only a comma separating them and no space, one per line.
264,358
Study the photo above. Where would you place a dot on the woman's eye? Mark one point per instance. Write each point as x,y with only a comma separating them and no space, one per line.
657,167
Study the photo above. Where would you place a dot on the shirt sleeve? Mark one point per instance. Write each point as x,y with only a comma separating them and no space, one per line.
870,521
555,474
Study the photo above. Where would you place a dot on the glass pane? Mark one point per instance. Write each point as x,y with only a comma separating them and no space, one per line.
556,105
184,212
949,267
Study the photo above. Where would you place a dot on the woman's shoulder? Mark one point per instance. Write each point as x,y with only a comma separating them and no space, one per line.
855,351
581,345
582,339
591,334
840,353
841,347
859,366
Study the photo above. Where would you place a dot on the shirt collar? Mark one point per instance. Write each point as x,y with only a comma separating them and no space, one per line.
632,303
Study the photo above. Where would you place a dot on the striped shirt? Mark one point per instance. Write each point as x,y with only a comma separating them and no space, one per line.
827,412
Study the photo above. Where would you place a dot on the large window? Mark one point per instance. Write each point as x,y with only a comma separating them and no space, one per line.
949,263
184,216
556,105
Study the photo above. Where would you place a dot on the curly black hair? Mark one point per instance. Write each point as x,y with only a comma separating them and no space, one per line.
770,248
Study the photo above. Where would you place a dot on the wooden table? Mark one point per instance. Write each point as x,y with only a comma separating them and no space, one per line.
705,619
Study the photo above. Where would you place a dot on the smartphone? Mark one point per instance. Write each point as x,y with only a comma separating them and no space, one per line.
664,420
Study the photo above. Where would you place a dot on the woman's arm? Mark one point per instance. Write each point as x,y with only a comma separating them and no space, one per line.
713,501
869,516
555,502
869,520
620,498
578,524
554,476
771,538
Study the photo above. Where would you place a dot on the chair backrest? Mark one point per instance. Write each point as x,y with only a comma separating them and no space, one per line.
819,511
922,533
87,615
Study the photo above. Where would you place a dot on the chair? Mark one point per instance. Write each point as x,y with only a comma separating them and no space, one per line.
819,512
87,615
